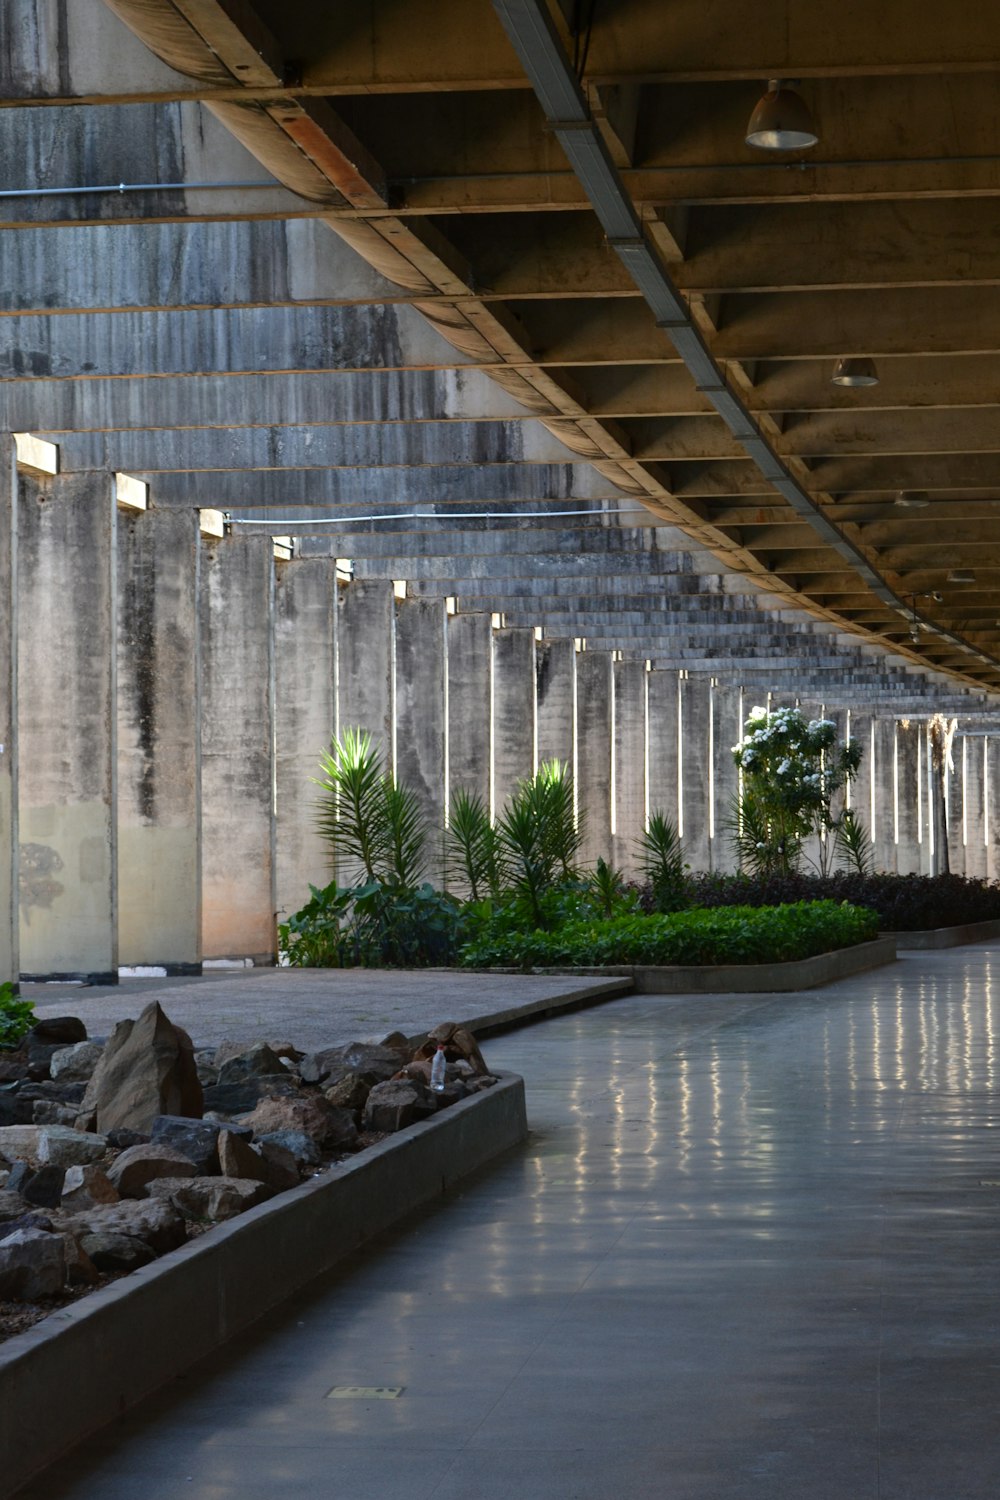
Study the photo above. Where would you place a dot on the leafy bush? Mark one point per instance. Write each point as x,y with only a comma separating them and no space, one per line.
903,903
16,1016
373,924
737,935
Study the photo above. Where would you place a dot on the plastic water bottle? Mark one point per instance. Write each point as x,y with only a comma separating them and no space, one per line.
438,1067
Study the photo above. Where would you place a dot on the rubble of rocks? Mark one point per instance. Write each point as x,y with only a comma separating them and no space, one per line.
115,1152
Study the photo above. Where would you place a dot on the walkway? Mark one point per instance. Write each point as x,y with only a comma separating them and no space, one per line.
752,1250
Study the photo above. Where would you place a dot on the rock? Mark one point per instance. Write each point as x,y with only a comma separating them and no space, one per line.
393,1106
12,1205
8,1105
282,1164
61,1031
147,1069
459,1044
121,1140
13,1067
34,1220
42,1187
141,1164
453,1091
350,1092
48,1112
86,1187
32,1265
239,1098
369,1060
327,1126
156,1223
397,1042
4,1176
257,1061
80,1269
301,1148
19,1141
245,1132
476,1085
76,1064
109,1251
208,1073
237,1159
286,1052
60,1146
196,1139
214,1198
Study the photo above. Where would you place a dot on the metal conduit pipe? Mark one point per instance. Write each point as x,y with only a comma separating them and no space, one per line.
534,38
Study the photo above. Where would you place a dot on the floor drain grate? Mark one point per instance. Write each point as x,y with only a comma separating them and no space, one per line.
365,1392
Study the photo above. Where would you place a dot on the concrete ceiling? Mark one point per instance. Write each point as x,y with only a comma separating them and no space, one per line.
510,257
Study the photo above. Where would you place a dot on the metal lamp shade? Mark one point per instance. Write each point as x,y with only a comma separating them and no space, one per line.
855,372
781,121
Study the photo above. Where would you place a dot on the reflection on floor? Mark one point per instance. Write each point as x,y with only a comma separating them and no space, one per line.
752,1249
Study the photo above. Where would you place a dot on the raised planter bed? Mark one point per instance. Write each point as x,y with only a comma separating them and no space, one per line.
83,1366
709,979
947,937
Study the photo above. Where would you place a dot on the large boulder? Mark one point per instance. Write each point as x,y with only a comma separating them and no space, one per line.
131,1171
328,1126
156,1223
213,1198
369,1061
147,1069
32,1265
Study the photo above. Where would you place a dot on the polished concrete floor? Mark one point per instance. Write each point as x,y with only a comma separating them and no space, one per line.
751,1250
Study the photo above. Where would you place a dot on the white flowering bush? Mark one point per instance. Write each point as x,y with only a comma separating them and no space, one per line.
791,767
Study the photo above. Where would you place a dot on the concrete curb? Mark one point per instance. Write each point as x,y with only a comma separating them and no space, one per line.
496,1021
84,1365
946,937
754,979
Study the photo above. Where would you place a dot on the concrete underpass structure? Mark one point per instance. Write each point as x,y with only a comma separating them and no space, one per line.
509,527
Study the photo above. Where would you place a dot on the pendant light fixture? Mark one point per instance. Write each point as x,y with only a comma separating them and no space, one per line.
781,120
961,575
855,372
912,500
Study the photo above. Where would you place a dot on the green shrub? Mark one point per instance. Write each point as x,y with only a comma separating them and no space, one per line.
902,903
731,935
17,1016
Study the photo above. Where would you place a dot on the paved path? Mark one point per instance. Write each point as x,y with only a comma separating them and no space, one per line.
317,1007
751,1250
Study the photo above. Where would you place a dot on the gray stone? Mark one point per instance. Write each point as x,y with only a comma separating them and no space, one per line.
393,1106
42,1187
12,1205
212,1198
350,1092
301,1148
239,1098
61,1031
208,1073
49,1112
108,1250
368,1060
156,1223
237,1159
147,1069
76,1064
86,1187
257,1061
282,1164
197,1139
34,1220
327,1126
32,1265
141,1164
60,1146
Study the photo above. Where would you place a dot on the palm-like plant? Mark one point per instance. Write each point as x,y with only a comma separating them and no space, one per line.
475,857
365,814
661,860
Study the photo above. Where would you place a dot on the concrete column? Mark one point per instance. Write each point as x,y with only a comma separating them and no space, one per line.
630,763
663,728
66,726
470,648
305,623
992,810
695,721
555,672
513,711
421,717
862,789
911,816
954,808
594,732
237,749
727,731
838,717
9,947
159,752
365,660
884,802
972,770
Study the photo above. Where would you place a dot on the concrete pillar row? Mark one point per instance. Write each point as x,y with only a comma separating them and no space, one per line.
630,779
9,946
420,727
67,625
514,739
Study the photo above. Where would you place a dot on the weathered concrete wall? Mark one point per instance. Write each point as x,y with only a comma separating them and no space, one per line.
66,726
663,700
513,711
630,763
237,606
470,650
420,717
9,947
159,740
555,690
365,631
305,720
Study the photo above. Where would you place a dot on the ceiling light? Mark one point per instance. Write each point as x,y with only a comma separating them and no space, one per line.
781,120
855,372
912,499
961,575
